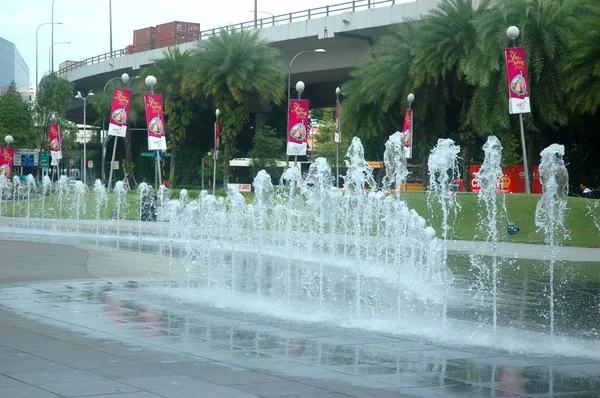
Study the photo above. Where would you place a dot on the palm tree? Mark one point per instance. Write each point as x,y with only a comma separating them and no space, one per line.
445,42
228,69
545,26
583,67
171,72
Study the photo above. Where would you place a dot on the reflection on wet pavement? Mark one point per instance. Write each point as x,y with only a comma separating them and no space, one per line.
323,353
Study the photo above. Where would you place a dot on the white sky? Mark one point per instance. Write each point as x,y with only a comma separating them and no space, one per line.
86,22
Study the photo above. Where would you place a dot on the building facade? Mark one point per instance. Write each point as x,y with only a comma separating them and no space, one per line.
13,68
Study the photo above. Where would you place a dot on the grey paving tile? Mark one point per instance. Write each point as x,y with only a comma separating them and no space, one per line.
280,388
52,377
6,381
234,377
450,391
138,394
209,391
164,382
26,392
119,372
33,365
88,388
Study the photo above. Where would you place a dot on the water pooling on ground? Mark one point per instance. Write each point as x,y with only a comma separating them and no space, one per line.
362,259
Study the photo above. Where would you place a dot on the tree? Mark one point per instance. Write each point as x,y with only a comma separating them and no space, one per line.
53,94
267,150
228,69
545,28
171,72
16,118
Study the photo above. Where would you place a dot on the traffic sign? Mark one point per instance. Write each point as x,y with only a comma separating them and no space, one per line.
71,162
90,164
115,165
44,160
27,161
153,154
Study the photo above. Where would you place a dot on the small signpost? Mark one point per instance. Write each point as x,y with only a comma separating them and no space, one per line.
115,165
44,160
90,164
27,161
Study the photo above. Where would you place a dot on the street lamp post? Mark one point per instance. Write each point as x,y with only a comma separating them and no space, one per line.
36,49
513,33
289,65
151,82
81,97
124,79
52,39
216,152
300,90
9,140
51,51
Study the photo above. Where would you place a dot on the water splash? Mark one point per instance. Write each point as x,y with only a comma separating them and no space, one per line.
80,200
17,189
396,169
46,187
62,188
489,178
101,200
120,191
30,181
4,192
550,210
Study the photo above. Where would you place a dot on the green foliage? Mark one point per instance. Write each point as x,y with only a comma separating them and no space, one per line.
53,93
266,150
228,69
16,119
326,147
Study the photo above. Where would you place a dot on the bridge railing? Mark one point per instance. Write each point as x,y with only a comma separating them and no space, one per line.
274,20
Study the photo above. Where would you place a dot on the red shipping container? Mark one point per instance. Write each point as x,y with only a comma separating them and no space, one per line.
144,39
176,32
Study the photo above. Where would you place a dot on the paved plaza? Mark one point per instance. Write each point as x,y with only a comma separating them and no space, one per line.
74,322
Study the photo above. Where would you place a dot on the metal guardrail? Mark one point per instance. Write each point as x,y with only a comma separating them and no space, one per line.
349,6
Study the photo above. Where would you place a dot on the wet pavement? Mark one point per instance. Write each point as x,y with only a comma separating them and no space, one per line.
90,323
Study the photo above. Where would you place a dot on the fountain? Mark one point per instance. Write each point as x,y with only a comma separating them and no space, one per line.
550,210
489,178
358,257
4,191
46,185
101,200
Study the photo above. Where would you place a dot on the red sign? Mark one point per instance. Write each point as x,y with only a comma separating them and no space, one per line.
119,113
55,141
516,76
7,160
338,135
407,133
217,138
298,127
155,122
512,181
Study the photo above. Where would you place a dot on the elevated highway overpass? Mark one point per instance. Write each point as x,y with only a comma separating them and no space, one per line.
346,31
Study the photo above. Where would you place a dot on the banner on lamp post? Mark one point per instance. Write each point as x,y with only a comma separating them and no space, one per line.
407,133
55,141
217,139
338,133
119,112
298,127
516,76
7,160
155,122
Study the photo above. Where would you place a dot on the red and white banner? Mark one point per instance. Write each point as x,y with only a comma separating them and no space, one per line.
298,127
55,141
516,76
155,122
338,134
217,138
407,133
119,112
512,181
7,160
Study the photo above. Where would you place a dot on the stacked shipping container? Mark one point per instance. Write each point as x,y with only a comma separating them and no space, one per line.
165,35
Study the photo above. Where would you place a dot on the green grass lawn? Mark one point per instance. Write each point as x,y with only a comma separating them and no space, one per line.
464,225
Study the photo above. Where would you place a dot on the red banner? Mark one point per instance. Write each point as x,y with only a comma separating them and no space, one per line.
217,138
513,179
119,112
55,141
298,127
155,122
338,135
516,76
7,160
407,133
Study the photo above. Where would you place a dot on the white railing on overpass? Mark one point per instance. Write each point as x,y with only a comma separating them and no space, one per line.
325,11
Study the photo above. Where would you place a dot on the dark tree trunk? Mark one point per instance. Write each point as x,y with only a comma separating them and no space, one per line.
226,155
465,167
128,166
174,143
